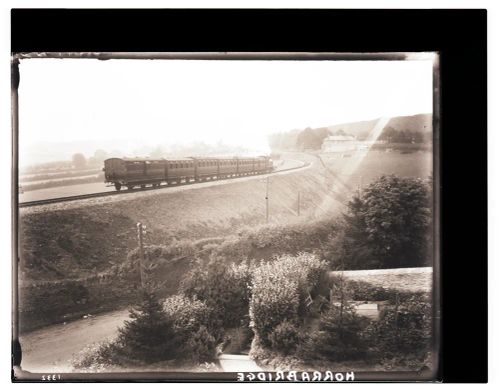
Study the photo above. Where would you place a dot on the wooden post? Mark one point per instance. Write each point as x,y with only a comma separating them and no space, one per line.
396,325
298,204
141,251
267,199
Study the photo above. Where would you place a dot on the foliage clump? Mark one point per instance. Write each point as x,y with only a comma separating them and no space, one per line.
340,335
387,225
150,335
285,337
279,291
192,325
223,288
404,327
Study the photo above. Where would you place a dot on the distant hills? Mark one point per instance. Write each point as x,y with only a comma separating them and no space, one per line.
413,128
421,123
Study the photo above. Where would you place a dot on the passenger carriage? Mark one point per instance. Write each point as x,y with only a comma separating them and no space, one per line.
139,172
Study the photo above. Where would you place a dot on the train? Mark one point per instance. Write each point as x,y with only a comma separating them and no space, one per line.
142,172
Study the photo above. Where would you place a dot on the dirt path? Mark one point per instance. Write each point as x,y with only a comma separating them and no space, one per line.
50,350
238,363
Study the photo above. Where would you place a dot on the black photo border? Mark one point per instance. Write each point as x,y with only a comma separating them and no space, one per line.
459,36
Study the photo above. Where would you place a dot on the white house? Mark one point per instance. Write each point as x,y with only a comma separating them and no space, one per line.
339,143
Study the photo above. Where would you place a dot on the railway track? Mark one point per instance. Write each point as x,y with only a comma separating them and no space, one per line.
121,192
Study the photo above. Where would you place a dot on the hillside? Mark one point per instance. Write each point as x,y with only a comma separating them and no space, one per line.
312,138
421,123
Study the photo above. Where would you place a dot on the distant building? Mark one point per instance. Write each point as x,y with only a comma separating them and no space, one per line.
339,143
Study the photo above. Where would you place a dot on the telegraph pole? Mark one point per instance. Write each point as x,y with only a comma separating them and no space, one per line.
140,232
267,199
360,185
298,204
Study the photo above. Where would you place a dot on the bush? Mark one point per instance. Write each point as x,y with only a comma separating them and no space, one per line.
405,328
98,357
340,336
388,225
358,290
200,346
272,360
222,287
192,323
285,337
188,314
279,290
150,335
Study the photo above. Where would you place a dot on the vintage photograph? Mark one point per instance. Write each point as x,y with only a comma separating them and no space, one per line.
249,217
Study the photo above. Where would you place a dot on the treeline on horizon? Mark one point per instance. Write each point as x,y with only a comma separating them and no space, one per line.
81,161
400,130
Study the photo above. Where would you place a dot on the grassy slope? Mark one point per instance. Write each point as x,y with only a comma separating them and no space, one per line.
69,243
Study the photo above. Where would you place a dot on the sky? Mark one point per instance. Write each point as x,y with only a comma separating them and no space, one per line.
133,103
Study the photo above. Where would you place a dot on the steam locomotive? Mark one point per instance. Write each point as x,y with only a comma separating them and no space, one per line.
141,172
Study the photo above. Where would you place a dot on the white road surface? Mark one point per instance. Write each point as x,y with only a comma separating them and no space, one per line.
51,349
238,363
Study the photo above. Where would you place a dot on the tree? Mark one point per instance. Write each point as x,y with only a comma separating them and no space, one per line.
340,332
150,335
79,161
100,155
312,138
390,222
222,287
279,292
340,132
158,152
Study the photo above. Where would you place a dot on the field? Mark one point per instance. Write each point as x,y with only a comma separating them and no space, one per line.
62,177
71,244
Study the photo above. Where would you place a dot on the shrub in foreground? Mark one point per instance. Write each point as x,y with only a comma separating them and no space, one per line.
200,346
150,335
404,328
340,335
279,290
222,287
285,337
193,325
